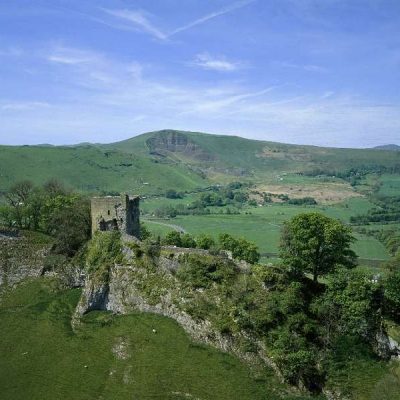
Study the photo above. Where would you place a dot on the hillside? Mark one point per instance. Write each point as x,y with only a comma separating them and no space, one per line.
392,147
155,161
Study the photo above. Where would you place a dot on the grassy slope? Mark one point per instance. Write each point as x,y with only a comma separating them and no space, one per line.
263,225
42,358
91,169
124,166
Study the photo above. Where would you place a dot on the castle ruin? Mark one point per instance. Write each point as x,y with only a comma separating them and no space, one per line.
116,213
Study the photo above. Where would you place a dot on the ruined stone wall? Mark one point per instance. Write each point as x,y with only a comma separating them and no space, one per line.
132,216
116,213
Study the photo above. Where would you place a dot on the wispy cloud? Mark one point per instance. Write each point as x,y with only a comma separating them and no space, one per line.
205,18
140,20
23,105
305,67
92,69
11,52
206,61
105,99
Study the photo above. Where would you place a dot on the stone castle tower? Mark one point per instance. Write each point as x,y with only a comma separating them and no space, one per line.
119,213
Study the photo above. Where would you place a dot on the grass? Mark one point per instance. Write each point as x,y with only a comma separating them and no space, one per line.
356,371
116,357
390,185
262,225
132,166
90,169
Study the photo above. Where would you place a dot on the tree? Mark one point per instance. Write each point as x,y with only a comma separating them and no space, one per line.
144,232
70,226
173,238
187,241
240,248
204,241
17,198
314,243
392,288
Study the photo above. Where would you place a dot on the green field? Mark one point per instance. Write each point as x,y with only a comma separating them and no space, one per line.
262,225
390,185
111,357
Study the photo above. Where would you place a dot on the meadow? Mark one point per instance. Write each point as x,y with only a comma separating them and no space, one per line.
262,225
110,356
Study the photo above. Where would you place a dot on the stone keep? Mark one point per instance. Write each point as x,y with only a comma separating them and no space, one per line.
116,213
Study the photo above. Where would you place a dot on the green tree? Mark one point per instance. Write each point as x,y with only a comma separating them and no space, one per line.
144,232
17,198
188,241
173,238
205,241
314,243
70,226
240,248
392,288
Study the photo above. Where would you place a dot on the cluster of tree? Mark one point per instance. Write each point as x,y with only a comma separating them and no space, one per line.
267,198
50,209
241,248
310,328
355,174
173,194
391,239
303,201
195,208
387,210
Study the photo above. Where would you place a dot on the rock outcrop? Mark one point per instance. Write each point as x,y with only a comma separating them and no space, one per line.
21,257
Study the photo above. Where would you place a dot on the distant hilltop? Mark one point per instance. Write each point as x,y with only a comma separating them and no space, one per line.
393,147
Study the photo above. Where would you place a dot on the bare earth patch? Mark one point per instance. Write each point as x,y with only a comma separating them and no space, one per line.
325,193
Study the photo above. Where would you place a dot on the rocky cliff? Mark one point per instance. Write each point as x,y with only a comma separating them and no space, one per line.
22,256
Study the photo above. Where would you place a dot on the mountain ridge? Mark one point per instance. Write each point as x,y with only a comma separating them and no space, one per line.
177,159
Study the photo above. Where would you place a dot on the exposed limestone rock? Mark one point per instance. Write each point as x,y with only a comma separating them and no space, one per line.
124,293
21,258
94,297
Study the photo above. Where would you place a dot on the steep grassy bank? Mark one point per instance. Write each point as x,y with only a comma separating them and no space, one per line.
116,357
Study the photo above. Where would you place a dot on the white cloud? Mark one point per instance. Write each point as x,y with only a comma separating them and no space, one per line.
140,20
205,18
206,61
305,67
105,100
71,56
23,105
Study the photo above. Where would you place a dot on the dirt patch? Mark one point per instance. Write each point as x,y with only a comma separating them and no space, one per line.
121,349
324,193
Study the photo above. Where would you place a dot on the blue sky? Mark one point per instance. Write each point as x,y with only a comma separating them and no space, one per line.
323,72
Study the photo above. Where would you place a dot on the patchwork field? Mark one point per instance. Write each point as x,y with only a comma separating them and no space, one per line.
262,225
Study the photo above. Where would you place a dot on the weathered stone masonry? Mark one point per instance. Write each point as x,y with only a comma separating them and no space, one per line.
116,213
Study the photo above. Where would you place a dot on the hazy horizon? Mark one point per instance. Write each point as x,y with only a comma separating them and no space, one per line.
301,72
204,133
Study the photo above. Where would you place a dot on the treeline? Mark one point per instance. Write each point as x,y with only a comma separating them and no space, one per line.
240,248
223,200
387,210
355,174
51,209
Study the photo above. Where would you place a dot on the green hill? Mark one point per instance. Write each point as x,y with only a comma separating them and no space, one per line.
112,357
155,161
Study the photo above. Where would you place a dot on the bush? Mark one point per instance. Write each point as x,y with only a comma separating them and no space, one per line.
104,249
205,242
201,271
173,238
240,248
188,241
